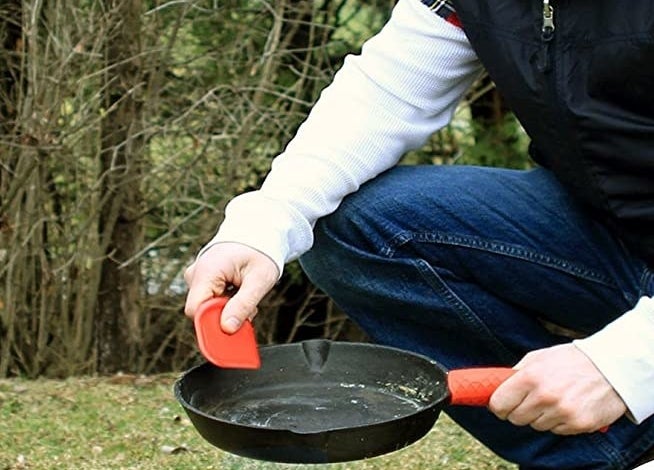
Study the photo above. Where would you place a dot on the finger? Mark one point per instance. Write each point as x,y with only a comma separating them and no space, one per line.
525,414
200,293
508,396
188,274
243,305
536,405
202,288
545,422
564,429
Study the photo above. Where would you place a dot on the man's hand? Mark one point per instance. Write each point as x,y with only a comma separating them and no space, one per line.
557,389
230,264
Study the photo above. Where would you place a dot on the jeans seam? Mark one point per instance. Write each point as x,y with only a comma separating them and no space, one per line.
499,248
642,444
465,313
609,451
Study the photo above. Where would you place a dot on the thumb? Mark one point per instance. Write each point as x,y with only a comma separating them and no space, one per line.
243,305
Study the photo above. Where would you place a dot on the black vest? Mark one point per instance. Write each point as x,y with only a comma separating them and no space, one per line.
581,82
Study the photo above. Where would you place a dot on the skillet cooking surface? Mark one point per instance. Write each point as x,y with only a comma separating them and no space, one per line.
316,406
318,385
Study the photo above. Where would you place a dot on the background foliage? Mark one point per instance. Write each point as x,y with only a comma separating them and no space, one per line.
125,126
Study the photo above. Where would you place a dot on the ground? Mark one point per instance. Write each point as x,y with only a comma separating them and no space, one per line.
129,422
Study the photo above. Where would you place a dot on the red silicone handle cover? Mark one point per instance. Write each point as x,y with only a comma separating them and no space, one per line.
474,387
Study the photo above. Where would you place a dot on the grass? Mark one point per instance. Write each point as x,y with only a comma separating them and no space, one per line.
127,422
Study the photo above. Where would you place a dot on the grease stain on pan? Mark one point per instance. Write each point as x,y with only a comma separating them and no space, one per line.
319,408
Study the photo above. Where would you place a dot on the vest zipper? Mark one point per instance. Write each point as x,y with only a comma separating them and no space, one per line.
546,36
547,30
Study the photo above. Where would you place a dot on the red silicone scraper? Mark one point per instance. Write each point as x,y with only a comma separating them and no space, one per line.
236,351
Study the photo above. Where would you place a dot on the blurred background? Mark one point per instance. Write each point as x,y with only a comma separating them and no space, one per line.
126,126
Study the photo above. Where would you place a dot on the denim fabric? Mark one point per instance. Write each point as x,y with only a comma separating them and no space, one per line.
462,264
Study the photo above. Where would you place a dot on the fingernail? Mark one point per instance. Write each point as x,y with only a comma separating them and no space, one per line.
232,323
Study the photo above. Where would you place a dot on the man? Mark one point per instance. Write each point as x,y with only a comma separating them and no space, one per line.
475,266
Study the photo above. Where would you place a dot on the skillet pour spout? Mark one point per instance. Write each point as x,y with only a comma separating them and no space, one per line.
317,401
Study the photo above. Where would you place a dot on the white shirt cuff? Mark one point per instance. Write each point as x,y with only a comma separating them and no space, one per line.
266,225
624,352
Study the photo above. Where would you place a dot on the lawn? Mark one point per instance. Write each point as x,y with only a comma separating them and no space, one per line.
127,422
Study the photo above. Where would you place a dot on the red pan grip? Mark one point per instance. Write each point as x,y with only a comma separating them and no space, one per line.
474,387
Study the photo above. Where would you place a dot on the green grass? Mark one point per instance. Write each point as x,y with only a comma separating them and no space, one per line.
126,422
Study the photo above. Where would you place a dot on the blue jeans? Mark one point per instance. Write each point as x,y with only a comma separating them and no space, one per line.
464,264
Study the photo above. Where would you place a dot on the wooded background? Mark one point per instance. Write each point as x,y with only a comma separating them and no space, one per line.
125,127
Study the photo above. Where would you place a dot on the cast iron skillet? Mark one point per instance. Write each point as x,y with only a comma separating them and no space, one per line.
321,401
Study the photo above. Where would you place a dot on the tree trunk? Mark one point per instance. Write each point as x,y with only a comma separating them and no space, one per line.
11,44
10,37
121,227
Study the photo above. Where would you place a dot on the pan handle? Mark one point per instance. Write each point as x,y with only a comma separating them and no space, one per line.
474,386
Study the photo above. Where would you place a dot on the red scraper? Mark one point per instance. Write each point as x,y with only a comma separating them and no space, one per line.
236,351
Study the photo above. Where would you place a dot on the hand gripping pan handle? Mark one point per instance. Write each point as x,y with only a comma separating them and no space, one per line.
237,351
474,386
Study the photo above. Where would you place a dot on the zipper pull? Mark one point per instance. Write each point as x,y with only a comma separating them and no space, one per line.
546,35
547,32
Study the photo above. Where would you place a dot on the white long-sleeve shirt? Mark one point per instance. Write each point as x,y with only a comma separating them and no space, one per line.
404,86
